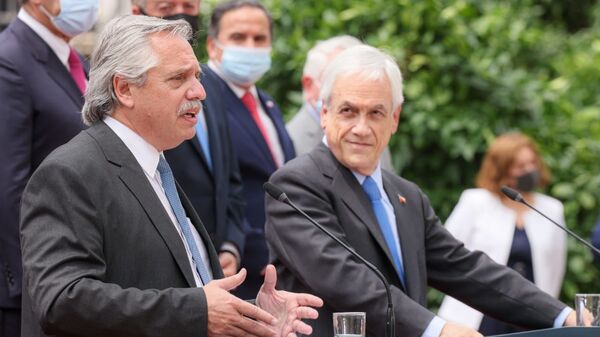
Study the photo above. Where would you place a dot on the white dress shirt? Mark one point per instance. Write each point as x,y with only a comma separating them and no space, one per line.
264,117
147,156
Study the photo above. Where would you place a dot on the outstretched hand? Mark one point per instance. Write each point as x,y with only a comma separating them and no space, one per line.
288,308
231,316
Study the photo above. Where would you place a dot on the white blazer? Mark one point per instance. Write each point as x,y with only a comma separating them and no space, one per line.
483,223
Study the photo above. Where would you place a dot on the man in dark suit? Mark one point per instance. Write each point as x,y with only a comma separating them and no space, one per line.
239,45
41,83
111,245
206,165
385,218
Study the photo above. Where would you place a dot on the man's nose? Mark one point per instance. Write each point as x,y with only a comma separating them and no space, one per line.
196,91
361,127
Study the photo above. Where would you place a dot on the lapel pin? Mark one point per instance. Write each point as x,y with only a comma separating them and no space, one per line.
401,199
270,104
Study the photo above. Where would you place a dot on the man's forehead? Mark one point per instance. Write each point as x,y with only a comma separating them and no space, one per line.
173,50
243,18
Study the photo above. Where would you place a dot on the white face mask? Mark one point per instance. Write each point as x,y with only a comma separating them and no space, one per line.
244,66
75,17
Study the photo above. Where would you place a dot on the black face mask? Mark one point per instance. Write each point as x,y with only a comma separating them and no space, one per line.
191,19
528,181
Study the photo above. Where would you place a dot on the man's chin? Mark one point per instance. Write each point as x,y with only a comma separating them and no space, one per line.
361,164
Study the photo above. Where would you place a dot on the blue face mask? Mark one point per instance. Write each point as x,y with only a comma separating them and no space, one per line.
245,66
75,17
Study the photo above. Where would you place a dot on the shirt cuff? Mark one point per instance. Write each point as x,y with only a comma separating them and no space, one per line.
434,329
231,248
562,317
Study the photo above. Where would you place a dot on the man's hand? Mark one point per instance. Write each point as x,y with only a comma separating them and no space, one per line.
228,263
230,316
588,318
572,319
289,308
456,330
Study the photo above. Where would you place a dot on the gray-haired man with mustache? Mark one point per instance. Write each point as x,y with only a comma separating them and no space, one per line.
111,245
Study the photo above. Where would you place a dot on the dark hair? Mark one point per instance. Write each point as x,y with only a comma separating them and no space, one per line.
221,9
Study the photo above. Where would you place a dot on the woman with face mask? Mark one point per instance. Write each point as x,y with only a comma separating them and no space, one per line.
509,232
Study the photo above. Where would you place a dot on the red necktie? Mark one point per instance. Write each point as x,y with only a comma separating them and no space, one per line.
250,103
76,70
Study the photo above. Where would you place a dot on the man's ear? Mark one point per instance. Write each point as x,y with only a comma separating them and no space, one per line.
136,10
307,83
396,117
214,52
323,115
122,90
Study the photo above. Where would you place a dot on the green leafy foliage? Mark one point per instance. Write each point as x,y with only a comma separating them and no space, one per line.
473,69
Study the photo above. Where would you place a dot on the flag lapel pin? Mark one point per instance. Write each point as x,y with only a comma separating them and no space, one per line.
401,199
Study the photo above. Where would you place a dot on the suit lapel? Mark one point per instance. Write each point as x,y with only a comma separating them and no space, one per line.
409,251
272,111
236,108
352,194
56,70
132,175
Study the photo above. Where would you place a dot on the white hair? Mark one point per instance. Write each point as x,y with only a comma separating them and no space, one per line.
318,56
367,62
124,49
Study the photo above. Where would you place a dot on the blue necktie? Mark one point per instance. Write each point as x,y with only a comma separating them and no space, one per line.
374,195
168,182
202,134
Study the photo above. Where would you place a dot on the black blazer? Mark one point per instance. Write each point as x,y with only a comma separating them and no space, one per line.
39,111
101,257
256,165
215,194
309,261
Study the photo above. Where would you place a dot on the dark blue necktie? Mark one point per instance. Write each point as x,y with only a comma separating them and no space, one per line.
168,183
374,195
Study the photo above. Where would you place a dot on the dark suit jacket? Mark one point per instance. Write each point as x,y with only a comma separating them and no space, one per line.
256,165
39,110
215,194
309,261
101,256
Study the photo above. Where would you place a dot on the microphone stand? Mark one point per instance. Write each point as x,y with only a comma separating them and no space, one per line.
516,196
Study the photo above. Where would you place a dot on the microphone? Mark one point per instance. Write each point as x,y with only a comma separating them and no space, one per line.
277,194
516,196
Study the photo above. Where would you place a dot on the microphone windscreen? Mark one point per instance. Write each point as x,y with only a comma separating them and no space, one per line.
272,190
511,193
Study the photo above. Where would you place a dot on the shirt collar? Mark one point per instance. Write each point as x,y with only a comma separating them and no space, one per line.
237,90
59,46
376,175
145,154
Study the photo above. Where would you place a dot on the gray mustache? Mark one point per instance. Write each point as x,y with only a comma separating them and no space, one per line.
189,105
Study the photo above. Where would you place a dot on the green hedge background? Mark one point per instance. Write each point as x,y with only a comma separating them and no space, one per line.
473,69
